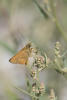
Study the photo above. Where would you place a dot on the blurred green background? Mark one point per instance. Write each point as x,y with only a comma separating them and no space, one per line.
22,21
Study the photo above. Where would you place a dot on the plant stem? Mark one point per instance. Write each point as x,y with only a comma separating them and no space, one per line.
52,17
21,90
43,11
3,44
57,22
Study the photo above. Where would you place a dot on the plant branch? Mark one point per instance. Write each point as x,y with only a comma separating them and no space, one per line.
43,11
6,46
21,90
57,22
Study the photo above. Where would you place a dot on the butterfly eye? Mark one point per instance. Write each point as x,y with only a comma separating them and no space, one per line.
29,45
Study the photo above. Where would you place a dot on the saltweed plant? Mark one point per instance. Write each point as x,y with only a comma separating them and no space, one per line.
35,88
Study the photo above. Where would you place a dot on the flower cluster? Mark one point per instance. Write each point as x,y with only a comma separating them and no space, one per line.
40,61
38,90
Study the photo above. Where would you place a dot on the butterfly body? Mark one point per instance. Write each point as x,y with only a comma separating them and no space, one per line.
22,56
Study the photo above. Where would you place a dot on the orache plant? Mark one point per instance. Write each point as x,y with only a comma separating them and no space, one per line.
40,62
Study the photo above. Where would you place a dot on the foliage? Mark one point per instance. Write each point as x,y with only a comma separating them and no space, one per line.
36,89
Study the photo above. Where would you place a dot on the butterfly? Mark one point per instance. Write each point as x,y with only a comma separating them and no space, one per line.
22,56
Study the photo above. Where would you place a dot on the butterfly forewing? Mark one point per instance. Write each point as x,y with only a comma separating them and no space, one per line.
22,56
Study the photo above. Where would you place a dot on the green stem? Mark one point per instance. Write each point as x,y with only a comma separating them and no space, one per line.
43,11
3,44
57,22
21,90
52,17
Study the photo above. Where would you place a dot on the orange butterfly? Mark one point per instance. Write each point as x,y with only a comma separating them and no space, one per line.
22,56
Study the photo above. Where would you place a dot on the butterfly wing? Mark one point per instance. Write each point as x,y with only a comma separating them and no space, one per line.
22,56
